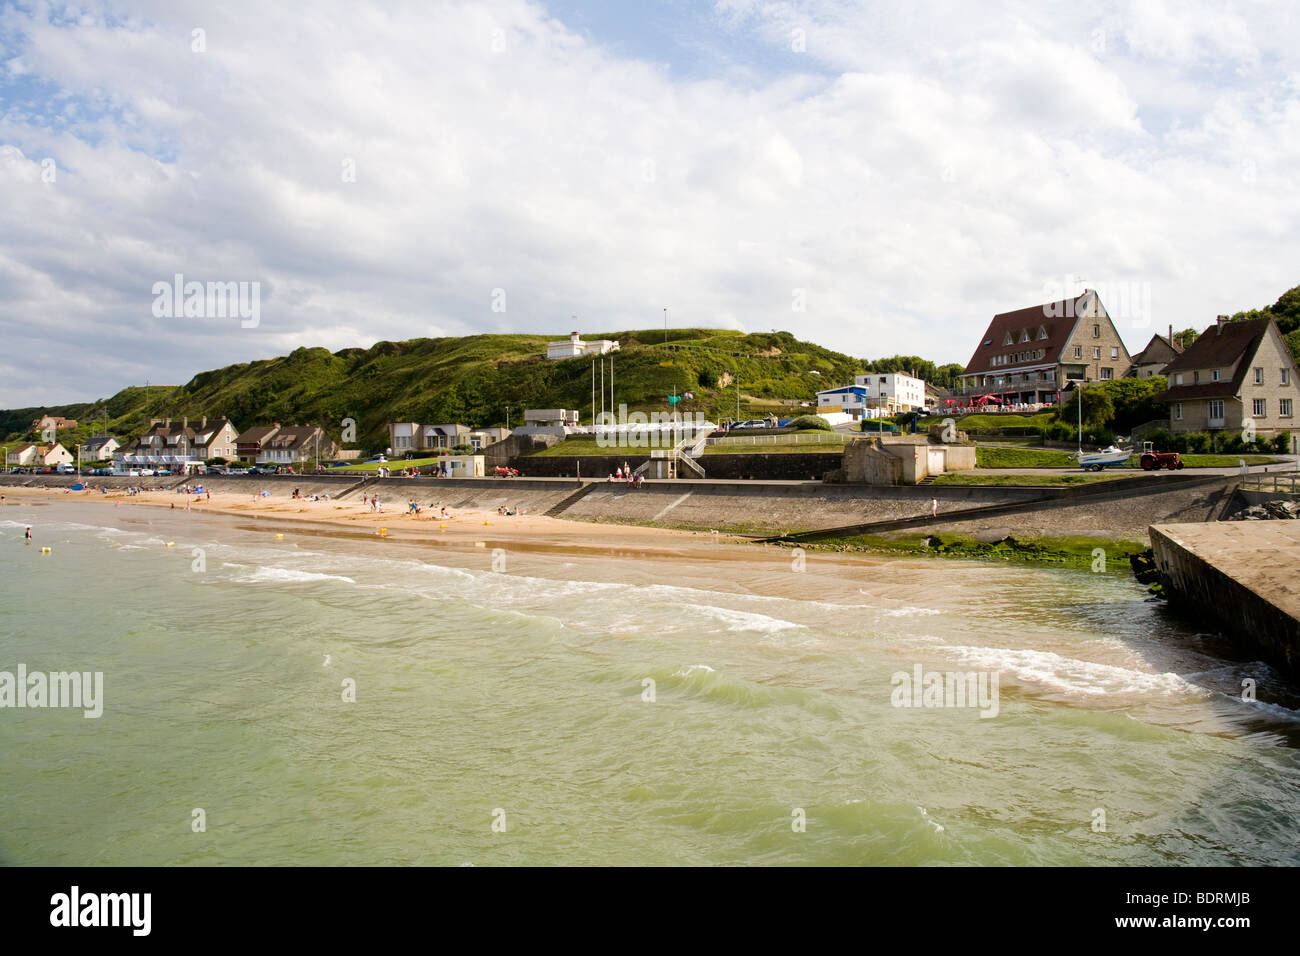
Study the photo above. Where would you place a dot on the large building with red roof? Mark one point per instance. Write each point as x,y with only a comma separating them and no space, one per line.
1030,356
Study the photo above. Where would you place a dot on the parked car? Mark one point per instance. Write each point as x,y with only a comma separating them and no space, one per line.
213,470
237,471
752,423
377,458
144,472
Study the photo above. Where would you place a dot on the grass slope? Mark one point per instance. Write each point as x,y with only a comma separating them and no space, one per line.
473,379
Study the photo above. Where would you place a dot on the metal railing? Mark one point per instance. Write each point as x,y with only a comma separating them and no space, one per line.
1278,484
817,438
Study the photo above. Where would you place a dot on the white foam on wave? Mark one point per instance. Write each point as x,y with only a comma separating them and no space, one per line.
264,574
741,620
1074,676
693,668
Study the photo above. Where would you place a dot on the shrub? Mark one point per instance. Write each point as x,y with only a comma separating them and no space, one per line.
1058,431
462,449
811,421
1282,443
1196,443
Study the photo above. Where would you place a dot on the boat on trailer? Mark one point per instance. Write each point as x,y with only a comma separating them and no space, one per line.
1111,457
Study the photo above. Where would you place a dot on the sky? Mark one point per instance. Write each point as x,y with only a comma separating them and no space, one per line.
876,178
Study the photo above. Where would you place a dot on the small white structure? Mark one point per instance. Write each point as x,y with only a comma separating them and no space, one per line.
574,347
892,391
551,417
462,466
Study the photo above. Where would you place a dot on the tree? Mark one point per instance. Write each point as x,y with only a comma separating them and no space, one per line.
1098,408
1134,401
1186,337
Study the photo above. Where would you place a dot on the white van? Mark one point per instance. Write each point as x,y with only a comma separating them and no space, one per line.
63,468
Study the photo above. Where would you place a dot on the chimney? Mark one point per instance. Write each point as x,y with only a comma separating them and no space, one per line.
185,422
574,338
203,422
1219,322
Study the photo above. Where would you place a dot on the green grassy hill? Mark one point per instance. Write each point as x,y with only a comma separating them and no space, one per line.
472,380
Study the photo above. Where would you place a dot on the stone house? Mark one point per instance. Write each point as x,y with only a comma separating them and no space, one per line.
1235,372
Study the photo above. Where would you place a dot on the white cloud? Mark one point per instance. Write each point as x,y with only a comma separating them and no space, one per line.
914,171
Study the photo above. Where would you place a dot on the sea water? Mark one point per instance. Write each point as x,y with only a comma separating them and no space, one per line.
325,698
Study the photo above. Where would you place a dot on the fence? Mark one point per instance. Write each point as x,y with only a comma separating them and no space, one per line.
817,438
1277,484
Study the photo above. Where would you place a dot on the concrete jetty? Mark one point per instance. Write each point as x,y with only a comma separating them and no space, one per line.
1244,574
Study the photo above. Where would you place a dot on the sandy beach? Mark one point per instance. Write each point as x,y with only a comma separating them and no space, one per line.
355,516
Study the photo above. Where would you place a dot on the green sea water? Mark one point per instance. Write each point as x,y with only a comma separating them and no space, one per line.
718,707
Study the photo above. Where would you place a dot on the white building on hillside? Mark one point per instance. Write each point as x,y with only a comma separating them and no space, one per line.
892,391
574,347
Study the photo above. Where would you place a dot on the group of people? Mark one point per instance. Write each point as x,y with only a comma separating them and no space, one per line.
413,508
507,510
625,474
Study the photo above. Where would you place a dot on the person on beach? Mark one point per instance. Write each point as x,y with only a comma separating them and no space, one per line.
618,473
934,507
27,537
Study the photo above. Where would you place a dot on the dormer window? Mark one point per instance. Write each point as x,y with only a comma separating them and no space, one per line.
1007,339
1042,332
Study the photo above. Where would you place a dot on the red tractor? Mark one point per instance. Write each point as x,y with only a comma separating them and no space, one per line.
1153,460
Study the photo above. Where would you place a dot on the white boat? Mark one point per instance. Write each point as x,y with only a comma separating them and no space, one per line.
1109,457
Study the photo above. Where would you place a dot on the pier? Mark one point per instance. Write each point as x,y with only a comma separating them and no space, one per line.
1245,575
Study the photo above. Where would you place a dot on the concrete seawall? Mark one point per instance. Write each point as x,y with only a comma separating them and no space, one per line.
1243,575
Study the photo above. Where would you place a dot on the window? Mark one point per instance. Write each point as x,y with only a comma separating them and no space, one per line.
1284,407
1259,407
1007,339
1078,351
1216,409
1114,352
1096,331
1178,378
1259,376
1107,374
1042,331
1286,376
1178,411
1196,377
1096,351
1214,376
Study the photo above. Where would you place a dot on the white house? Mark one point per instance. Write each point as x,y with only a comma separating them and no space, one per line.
575,347
30,455
892,391
842,405
100,448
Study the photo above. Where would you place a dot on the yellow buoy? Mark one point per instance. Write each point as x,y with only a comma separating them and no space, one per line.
171,544
485,522
383,531
45,550
279,536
